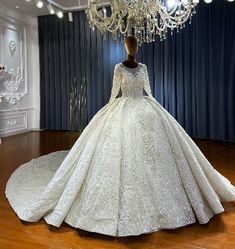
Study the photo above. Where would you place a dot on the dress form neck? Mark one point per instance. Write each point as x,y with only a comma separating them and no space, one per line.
130,62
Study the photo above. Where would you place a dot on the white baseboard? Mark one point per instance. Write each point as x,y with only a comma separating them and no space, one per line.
12,133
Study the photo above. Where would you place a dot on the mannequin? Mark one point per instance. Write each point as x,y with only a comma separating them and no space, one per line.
131,45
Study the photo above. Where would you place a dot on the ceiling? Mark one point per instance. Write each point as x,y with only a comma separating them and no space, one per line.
29,7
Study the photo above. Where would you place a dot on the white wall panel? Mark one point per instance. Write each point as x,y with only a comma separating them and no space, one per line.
19,85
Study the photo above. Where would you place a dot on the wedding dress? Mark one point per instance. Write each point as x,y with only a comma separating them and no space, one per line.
133,170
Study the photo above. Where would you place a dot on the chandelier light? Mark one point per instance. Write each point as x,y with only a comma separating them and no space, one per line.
142,18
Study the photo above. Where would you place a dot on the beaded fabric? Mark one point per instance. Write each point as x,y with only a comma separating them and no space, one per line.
133,170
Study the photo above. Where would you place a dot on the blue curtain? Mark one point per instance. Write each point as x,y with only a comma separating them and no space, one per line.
191,73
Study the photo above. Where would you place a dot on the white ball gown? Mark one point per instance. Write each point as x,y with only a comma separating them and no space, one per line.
133,170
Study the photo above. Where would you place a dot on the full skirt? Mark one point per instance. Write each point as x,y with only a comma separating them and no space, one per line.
133,170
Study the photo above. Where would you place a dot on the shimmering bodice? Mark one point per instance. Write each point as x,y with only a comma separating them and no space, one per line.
131,81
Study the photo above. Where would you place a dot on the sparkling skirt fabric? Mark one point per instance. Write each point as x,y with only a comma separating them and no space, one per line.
133,170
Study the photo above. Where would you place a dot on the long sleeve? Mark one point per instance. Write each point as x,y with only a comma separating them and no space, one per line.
116,83
147,87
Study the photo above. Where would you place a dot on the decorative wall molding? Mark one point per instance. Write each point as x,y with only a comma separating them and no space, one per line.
13,80
19,83
17,110
12,98
12,47
13,122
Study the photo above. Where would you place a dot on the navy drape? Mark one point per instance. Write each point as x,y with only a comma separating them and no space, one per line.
191,73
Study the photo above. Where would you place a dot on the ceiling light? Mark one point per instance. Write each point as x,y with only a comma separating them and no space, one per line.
40,4
230,0
207,1
51,10
28,0
17,6
60,14
70,16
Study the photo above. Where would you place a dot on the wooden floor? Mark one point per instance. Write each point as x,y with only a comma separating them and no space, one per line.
219,233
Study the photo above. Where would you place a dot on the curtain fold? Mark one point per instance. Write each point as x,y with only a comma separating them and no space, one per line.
192,72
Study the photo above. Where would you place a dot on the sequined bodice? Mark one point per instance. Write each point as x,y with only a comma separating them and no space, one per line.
131,81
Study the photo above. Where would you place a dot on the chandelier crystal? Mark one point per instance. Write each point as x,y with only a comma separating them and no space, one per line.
143,19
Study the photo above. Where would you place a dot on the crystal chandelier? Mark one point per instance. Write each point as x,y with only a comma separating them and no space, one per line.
142,18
